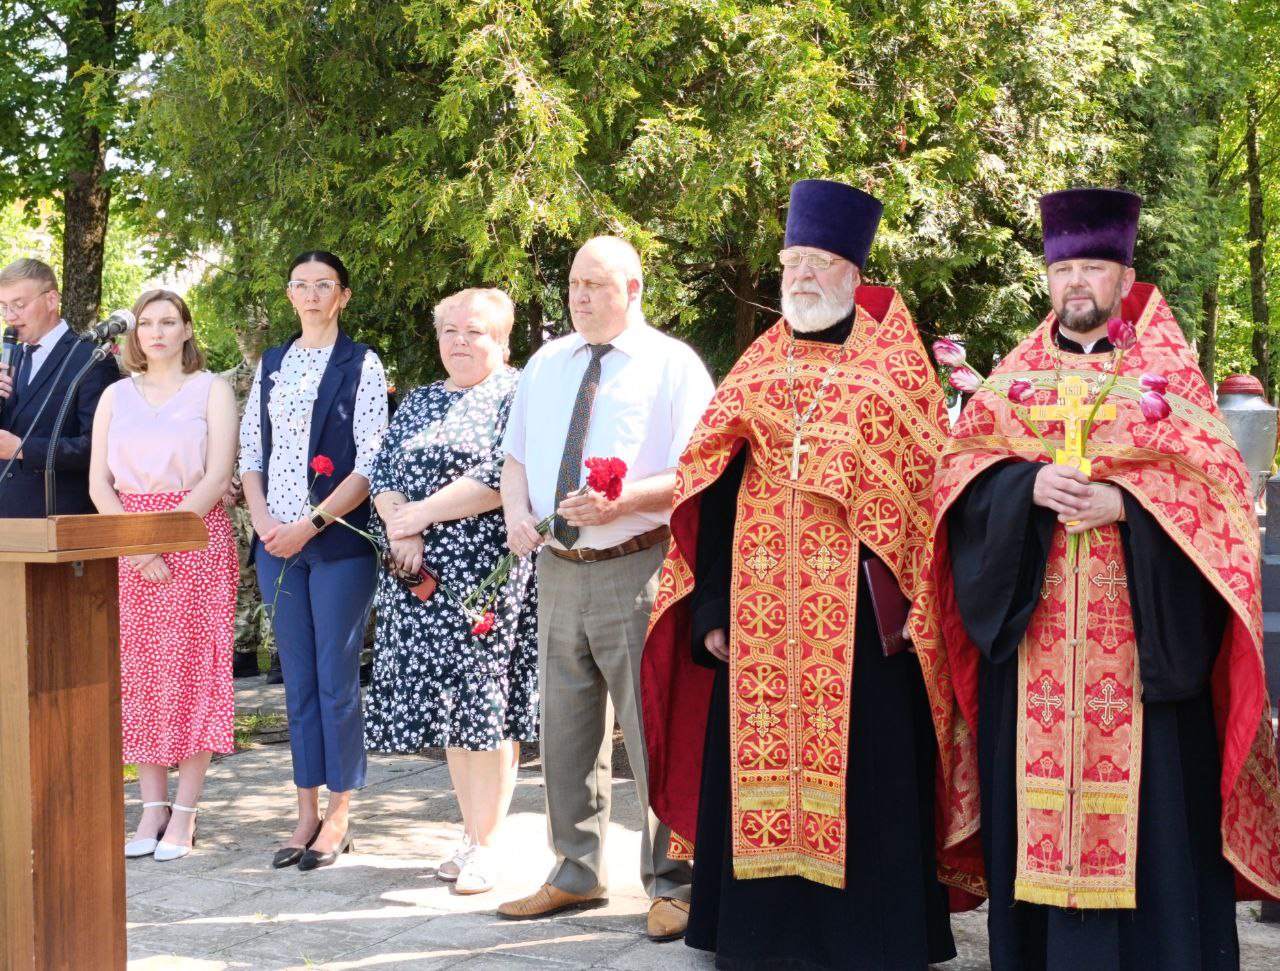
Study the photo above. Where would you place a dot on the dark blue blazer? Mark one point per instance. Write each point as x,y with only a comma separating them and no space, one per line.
332,435
22,489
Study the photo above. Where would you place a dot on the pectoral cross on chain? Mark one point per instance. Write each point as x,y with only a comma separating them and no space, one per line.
798,449
1073,411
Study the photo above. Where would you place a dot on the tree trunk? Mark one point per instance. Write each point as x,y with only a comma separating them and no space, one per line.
1208,340
91,40
745,289
536,325
1257,241
1209,331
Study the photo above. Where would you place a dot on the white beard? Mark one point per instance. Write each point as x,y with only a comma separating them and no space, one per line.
807,315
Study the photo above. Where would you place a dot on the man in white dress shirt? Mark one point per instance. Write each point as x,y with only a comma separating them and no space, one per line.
616,387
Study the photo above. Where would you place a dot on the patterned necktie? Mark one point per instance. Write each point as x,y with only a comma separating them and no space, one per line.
571,461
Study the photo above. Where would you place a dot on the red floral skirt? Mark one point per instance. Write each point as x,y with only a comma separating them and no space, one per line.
176,695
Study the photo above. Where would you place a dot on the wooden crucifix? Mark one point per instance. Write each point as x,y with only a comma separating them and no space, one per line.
1073,411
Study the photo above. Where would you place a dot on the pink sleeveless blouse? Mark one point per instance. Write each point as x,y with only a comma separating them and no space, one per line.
154,450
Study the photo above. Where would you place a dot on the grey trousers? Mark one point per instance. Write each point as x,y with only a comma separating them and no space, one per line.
591,625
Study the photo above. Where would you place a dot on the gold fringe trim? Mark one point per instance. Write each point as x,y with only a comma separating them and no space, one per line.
1076,898
762,798
820,801
803,867
1106,803
1045,799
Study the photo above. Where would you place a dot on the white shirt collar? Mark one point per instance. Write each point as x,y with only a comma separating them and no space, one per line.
628,341
51,338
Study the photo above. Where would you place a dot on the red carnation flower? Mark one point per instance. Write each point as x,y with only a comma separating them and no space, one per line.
322,465
605,476
484,624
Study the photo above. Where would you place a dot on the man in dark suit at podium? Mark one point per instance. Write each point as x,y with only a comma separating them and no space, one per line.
29,303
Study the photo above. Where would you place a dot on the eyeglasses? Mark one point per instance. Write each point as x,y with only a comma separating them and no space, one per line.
16,308
816,261
302,288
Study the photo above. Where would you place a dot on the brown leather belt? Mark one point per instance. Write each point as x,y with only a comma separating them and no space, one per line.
634,545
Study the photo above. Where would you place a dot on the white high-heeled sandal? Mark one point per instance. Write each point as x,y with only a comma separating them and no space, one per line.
136,848
478,873
176,851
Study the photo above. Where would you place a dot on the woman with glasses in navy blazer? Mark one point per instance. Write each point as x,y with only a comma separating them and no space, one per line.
318,396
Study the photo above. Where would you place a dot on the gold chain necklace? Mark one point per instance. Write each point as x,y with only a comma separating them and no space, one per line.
1095,383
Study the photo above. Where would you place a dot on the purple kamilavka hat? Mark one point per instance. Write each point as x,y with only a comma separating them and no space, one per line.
833,216
1100,224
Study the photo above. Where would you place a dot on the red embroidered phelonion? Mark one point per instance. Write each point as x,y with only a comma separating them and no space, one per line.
1154,382
1122,334
1155,407
966,380
1021,391
948,353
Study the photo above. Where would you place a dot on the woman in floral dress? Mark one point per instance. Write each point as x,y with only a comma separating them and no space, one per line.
435,486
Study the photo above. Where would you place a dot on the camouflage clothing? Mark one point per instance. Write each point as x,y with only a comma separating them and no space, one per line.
252,629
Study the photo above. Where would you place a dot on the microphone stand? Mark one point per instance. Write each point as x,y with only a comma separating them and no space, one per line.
100,353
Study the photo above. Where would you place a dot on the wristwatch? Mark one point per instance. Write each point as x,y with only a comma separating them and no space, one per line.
319,521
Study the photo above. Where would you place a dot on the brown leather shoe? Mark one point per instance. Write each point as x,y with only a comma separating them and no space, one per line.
668,918
548,900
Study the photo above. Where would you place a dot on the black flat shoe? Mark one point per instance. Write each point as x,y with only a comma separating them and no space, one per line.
288,856
244,664
311,860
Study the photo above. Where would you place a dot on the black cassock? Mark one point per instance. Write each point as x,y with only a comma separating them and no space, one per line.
1185,918
893,912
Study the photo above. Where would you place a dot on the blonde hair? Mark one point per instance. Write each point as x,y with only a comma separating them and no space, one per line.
29,269
501,321
136,361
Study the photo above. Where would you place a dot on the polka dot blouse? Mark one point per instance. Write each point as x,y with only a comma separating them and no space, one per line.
293,395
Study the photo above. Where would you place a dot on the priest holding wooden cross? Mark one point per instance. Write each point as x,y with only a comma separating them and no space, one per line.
791,745
1104,628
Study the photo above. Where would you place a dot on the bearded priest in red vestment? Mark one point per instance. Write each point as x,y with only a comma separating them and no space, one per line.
795,755
1104,630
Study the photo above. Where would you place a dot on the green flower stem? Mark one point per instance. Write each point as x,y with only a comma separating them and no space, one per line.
1102,395
1022,415
486,594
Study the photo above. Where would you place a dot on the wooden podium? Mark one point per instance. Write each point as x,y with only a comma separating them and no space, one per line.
62,889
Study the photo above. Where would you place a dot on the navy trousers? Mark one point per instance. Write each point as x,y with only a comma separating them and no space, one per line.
319,620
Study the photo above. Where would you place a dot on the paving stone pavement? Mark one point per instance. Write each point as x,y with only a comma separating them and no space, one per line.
382,908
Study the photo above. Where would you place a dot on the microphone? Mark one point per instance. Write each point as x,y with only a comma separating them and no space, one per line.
10,348
120,322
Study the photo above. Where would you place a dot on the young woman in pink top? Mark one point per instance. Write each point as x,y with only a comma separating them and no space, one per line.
165,439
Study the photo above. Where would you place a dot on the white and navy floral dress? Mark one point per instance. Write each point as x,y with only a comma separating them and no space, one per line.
434,684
